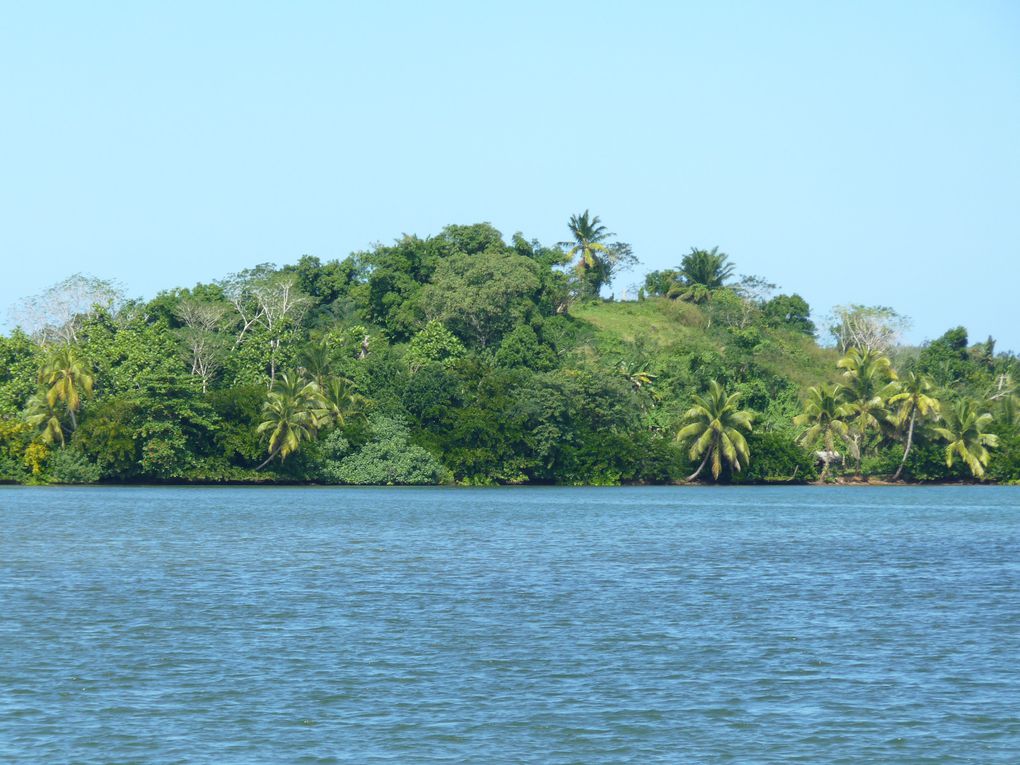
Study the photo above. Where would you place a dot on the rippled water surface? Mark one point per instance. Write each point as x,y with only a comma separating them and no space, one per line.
194,625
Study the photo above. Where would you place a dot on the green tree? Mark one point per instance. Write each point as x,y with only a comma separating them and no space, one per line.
588,240
946,360
823,419
791,311
481,297
964,427
702,272
521,347
870,381
290,415
713,428
598,259
434,343
67,378
338,402
315,361
19,371
40,413
913,399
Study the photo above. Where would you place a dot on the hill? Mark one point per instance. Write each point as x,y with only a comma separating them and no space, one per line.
462,357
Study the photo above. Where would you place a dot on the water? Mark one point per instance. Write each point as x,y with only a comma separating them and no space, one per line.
193,625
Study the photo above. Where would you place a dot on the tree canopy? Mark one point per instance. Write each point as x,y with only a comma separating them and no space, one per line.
466,357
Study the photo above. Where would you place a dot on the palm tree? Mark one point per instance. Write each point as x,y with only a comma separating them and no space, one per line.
314,360
706,267
339,402
913,399
712,427
870,383
291,415
588,240
965,431
68,378
41,413
824,418
1009,411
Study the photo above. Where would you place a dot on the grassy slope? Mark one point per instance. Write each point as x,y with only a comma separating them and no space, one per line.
664,326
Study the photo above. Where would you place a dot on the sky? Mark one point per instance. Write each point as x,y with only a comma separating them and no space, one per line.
850,152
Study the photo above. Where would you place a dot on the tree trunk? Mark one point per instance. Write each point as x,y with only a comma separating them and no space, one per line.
74,420
701,467
828,455
910,441
268,459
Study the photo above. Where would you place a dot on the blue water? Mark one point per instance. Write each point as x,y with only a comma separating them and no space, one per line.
815,625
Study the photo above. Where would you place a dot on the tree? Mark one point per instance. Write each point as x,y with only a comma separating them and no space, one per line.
56,315
269,300
790,311
589,238
946,360
708,268
913,399
824,418
481,297
964,428
867,328
315,360
597,258
659,283
434,343
19,371
68,378
712,428
870,382
205,347
40,413
290,415
338,401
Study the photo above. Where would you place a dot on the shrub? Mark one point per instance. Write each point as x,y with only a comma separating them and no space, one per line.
388,458
70,465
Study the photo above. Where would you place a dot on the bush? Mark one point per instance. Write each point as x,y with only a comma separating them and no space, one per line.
70,465
776,458
388,458
1004,465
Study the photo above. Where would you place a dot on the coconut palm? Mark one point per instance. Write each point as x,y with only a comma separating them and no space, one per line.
712,428
824,418
339,402
290,415
314,360
588,241
708,268
867,367
964,428
870,381
67,378
39,412
1009,411
913,400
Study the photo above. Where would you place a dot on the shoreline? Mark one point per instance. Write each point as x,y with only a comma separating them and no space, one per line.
876,483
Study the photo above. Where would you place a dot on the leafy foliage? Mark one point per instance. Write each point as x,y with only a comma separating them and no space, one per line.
463,357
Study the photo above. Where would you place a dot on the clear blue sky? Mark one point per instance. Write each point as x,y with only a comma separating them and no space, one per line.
856,152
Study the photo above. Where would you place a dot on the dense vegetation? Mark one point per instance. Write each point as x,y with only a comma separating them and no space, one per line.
461,358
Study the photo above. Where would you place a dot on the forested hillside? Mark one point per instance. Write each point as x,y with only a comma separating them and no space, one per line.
463,358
